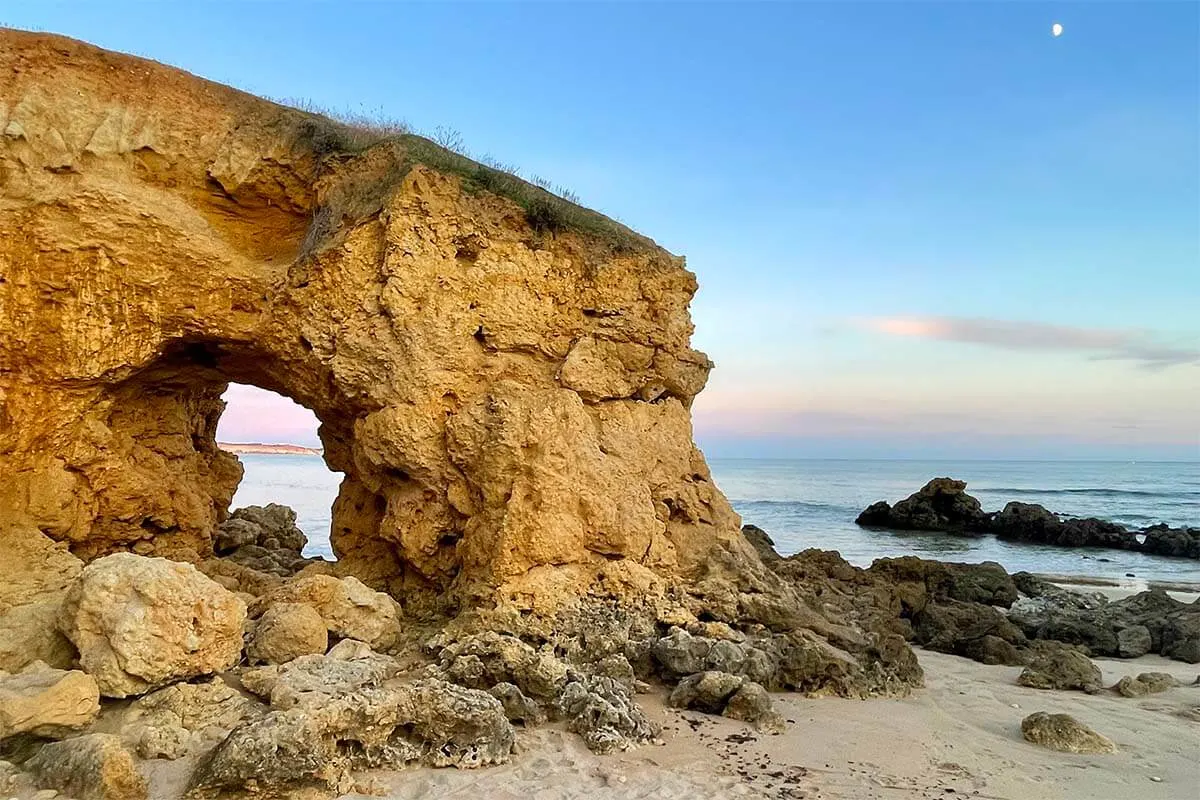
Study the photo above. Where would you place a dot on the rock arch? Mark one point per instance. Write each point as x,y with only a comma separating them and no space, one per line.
508,398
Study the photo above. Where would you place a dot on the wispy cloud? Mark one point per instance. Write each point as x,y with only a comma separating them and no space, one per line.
1100,343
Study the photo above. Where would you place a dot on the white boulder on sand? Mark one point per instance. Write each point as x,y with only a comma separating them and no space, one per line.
140,623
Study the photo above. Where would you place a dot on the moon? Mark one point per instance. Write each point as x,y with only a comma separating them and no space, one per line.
1056,30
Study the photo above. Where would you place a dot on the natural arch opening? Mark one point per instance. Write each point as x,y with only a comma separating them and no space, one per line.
277,442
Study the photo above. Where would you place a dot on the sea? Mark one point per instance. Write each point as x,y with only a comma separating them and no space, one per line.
813,503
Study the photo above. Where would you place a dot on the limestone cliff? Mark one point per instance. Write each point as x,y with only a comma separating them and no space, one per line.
507,398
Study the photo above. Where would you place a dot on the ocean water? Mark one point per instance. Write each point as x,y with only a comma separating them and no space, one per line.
804,504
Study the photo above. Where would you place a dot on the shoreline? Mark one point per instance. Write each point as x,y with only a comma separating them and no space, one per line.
1119,588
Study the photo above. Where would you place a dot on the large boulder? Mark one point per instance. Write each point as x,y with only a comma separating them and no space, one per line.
1064,733
1033,523
387,726
170,722
349,608
972,630
91,767
1052,665
34,573
47,702
286,631
140,623
940,505
705,691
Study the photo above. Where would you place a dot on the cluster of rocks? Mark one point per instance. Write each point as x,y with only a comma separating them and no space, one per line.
943,505
981,612
264,538
255,678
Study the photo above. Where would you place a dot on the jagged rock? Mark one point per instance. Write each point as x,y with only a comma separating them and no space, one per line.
264,538
483,660
94,766
752,703
1056,666
140,623
679,654
972,630
349,650
940,505
1064,733
349,609
1164,540
306,677
705,691
517,707
169,722
322,737
604,713
47,702
1031,522
34,573
1145,683
286,631
1098,625
1134,641
763,544
920,581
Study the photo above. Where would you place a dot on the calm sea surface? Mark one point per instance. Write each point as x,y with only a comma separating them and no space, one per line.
805,504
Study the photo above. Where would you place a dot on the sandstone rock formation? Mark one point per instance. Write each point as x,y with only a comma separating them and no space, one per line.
286,631
348,608
1064,733
47,702
34,573
525,528
141,623
91,767
507,394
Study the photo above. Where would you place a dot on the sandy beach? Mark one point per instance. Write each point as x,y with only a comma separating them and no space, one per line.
959,737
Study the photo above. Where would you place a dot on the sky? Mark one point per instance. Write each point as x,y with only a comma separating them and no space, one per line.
921,229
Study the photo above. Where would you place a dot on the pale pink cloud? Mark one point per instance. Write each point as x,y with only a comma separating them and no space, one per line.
1099,343
256,415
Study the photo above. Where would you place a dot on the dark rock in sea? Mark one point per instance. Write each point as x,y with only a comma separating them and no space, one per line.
941,505
1030,522
1164,540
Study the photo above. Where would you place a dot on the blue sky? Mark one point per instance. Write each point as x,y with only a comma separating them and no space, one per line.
921,229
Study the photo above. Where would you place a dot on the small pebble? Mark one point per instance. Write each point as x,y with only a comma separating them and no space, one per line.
1156,779
1015,705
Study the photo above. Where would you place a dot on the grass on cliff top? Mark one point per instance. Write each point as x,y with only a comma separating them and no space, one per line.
548,209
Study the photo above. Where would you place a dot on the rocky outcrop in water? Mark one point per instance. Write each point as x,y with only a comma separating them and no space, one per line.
943,505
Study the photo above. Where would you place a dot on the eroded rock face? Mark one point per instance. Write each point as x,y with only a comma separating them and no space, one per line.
91,767
140,623
509,403
47,702
34,574
321,738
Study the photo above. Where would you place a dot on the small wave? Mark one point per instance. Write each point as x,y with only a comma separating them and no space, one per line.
1094,492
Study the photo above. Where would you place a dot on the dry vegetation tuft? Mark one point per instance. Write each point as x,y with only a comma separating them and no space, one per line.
549,209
